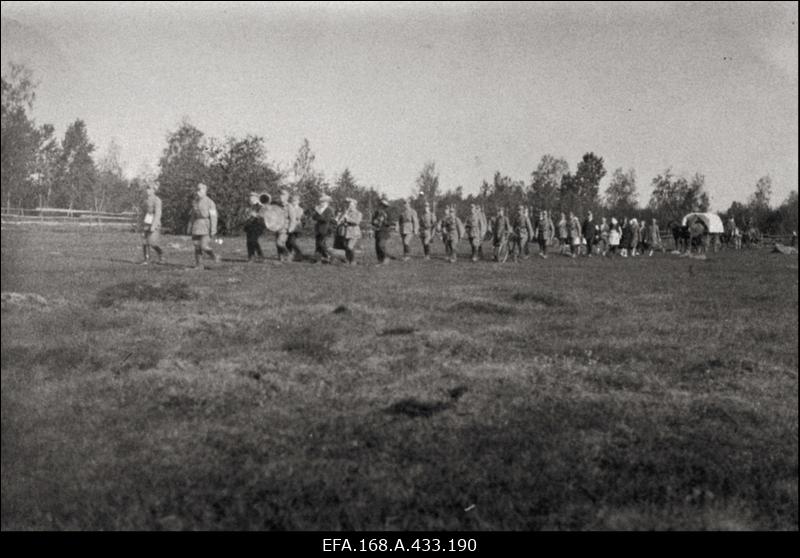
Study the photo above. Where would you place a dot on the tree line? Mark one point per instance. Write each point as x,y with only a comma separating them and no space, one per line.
40,170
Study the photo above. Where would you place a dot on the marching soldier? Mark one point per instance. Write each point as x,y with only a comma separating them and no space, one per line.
324,224
526,247
544,232
452,230
203,225
352,221
253,228
522,232
500,230
484,229
409,227
427,229
383,225
475,230
293,230
152,225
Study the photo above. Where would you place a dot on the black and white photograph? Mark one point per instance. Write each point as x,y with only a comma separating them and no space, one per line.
427,271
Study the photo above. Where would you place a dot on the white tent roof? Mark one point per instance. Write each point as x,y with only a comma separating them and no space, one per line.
712,221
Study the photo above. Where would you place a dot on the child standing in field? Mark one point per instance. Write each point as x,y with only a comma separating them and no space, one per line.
152,225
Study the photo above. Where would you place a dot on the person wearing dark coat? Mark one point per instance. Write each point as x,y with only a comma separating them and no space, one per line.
324,225
253,228
589,231
627,237
382,224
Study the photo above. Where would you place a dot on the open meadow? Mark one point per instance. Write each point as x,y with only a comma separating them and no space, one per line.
646,393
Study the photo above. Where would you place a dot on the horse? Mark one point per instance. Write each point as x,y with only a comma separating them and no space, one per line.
680,235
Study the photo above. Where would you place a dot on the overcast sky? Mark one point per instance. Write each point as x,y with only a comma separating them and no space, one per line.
381,89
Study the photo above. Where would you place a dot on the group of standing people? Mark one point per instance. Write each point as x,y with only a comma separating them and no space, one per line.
511,234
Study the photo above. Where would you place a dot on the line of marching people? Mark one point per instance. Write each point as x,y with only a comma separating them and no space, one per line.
511,235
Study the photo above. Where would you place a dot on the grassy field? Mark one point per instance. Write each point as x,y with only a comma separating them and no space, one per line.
653,393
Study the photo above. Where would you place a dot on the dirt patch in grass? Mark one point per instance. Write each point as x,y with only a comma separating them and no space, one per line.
145,292
341,309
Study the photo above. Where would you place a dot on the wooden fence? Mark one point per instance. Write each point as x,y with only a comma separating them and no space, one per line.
57,216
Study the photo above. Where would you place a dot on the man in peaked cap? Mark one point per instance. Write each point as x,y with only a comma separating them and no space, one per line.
203,225
427,229
152,225
409,227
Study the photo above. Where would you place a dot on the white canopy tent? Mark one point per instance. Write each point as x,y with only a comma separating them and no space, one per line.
712,221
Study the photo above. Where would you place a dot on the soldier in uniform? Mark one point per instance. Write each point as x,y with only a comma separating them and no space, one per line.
484,229
526,247
152,225
352,221
451,228
522,232
543,232
427,229
409,227
475,230
383,225
501,228
253,228
293,230
324,224
203,225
